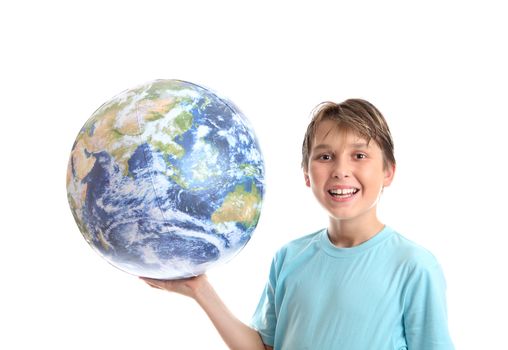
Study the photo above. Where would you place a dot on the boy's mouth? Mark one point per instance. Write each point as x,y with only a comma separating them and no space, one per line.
343,193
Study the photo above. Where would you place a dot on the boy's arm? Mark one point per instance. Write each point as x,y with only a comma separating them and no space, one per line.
236,334
425,314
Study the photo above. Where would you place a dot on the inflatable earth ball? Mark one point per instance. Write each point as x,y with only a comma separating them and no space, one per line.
166,180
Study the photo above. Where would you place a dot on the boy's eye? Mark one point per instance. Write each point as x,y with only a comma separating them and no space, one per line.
325,157
360,156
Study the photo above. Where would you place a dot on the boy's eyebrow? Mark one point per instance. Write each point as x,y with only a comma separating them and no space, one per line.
351,145
359,145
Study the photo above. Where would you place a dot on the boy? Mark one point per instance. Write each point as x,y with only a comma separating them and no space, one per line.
357,284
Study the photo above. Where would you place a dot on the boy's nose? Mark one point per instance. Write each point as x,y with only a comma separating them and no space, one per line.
341,169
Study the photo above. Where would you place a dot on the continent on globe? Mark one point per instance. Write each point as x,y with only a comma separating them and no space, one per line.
166,180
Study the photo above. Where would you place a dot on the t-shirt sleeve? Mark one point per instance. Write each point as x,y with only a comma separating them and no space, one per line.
265,318
425,311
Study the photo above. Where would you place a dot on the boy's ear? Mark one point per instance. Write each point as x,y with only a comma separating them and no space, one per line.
307,179
389,174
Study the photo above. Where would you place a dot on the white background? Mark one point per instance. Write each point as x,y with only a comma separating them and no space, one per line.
436,69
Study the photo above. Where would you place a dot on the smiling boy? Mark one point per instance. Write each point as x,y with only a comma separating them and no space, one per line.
347,174
355,285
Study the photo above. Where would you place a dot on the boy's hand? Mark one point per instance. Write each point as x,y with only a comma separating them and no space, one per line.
187,286
235,333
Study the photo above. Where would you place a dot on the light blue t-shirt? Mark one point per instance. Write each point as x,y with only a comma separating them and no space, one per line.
386,293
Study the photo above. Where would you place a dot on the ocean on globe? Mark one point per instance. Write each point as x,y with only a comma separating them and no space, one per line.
166,180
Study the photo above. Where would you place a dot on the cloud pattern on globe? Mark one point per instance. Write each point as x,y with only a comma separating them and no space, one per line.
166,180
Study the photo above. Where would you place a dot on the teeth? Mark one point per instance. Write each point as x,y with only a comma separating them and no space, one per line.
343,191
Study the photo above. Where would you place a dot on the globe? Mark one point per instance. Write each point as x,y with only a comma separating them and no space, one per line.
166,180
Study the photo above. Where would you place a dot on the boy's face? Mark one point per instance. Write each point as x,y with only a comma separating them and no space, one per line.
345,174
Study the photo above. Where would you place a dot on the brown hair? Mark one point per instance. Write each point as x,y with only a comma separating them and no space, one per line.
354,115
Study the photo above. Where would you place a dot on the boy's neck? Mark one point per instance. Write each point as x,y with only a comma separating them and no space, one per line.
350,233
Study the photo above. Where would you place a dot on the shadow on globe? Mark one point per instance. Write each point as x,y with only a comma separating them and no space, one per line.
166,180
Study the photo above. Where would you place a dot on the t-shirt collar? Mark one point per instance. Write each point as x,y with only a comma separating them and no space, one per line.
339,252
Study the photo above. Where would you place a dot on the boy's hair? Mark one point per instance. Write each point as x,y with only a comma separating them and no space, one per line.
355,115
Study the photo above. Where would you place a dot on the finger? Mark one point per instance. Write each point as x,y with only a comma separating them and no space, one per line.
147,279
152,282
154,286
